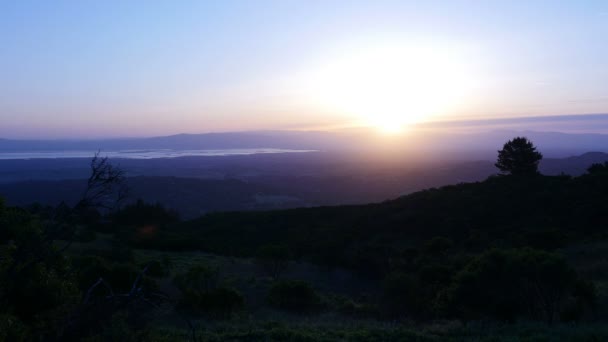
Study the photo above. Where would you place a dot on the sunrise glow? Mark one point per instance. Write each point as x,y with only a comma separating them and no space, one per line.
391,86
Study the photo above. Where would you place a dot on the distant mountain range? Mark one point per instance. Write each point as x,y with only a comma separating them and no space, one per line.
451,144
232,140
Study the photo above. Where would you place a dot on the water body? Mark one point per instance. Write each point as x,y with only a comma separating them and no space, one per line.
143,154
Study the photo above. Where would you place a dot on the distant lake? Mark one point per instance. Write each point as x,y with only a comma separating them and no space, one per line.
144,154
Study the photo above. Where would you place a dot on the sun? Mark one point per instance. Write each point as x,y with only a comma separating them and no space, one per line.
390,87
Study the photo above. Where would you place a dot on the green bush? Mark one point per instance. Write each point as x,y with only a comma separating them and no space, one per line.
509,284
437,245
273,259
120,276
198,279
406,295
89,268
156,269
221,301
547,239
12,329
350,307
218,302
201,295
141,213
294,295
121,251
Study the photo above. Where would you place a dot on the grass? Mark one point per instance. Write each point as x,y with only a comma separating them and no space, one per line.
260,323
374,331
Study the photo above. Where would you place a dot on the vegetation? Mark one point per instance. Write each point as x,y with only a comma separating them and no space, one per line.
294,295
507,258
519,157
507,284
273,259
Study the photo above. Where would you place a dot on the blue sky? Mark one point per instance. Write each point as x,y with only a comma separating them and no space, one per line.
138,68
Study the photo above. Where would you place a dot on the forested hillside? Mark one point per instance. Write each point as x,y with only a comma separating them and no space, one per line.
526,251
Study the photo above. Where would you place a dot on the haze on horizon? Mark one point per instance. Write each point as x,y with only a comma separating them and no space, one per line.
73,69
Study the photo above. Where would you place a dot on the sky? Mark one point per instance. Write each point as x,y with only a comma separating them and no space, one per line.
91,69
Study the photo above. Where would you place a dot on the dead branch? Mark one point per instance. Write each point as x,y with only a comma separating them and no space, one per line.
106,187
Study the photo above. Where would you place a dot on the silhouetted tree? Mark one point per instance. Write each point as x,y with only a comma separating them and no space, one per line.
106,187
598,168
105,190
38,284
518,157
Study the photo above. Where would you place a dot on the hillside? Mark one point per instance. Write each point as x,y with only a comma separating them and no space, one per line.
197,185
495,212
189,196
512,250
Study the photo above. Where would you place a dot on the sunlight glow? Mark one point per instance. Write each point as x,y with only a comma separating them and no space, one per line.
391,87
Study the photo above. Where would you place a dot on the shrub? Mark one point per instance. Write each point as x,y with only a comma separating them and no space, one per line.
294,295
120,276
141,213
90,268
198,279
348,306
507,284
547,239
406,294
438,245
221,301
156,269
218,302
273,259
200,294
12,329
121,252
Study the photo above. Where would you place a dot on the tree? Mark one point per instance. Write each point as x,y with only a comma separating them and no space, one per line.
518,157
598,169
38,283
37,287
106,187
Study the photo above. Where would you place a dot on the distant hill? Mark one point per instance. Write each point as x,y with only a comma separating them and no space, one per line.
197,185
544,212
229,140
190,197
432,143
575,165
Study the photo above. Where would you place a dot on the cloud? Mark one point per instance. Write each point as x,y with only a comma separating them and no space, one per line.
581,123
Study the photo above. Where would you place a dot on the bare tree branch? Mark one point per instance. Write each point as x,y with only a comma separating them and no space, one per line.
106,187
